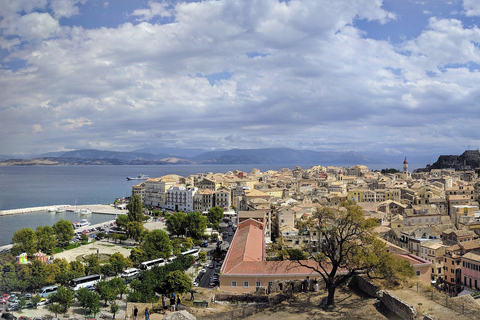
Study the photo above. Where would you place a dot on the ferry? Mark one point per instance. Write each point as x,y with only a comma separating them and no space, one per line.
81,224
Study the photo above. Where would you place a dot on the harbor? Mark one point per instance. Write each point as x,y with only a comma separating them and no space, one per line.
94,208
12,220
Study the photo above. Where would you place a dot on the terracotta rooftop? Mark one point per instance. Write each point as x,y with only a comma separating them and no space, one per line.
247,245
414,260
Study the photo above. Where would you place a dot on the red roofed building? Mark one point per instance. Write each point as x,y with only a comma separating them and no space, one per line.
245,268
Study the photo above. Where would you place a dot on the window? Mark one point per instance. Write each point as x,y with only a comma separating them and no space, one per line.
418,273
258,284
245,284
234,284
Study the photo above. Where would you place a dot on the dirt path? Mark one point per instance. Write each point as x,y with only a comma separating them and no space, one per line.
354,305
101,246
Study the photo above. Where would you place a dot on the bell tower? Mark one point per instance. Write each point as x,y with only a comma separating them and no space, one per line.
405,169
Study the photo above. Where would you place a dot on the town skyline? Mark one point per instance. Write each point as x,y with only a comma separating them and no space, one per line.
378,76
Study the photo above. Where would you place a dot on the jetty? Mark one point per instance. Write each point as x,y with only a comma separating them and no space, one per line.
94,208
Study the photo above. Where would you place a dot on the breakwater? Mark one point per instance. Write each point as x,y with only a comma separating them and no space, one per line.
32,209
94,208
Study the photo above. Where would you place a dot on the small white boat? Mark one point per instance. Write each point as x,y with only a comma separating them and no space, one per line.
85,211
81,224
61,210
52,209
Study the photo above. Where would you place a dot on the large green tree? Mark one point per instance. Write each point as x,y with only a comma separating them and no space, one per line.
63,231
135,208
24,240
105,291
46,239
122,221
135,230
176,223
176,281
92,265
119,262
214,215
65,296
348,247
157,245
88,300
195,224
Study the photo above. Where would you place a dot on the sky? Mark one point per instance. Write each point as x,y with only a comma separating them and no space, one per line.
398,77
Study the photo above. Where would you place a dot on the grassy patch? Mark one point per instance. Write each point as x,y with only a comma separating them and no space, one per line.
69,247
107,245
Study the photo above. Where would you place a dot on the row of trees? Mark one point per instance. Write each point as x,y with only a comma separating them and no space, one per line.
44,238
35,275
166,279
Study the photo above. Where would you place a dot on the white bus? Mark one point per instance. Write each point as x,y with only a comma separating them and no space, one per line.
147,265
84,282
193,252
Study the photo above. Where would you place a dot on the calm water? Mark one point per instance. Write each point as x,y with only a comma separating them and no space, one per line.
8,224
33,186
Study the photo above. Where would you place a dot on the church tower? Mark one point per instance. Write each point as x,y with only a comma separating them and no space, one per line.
405,169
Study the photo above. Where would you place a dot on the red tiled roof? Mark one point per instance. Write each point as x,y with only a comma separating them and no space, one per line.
413,259
247,245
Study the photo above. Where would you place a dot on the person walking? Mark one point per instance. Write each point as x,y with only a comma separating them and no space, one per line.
135,312
172,302
147,314
179,300
164,303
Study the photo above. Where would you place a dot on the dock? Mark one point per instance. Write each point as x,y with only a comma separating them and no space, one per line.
95,208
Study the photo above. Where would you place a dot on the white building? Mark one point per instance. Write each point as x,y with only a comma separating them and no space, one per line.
180,198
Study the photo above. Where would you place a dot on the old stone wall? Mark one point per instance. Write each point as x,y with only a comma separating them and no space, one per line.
366,286
398,306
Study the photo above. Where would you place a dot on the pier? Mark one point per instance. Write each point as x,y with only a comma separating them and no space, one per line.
95,208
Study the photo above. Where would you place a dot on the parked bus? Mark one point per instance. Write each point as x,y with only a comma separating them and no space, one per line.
147,265
84,282
193,252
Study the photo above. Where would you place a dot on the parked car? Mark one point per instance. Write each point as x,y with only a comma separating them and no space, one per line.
13,307
42,302
8,316
12,298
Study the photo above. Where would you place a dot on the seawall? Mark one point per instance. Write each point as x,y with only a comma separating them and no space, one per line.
32,209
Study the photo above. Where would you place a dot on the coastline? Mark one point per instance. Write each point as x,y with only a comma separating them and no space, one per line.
94,208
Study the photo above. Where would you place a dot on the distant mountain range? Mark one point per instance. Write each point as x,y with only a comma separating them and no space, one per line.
199,156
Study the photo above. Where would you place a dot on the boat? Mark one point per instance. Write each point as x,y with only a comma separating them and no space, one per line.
85,211
52,209
83,223
61,210
139,177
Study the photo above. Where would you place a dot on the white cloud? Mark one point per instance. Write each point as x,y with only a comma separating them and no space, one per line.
251,73
471,7
32,26
155,9
65,8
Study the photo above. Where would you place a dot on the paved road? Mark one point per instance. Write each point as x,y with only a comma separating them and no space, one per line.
204,283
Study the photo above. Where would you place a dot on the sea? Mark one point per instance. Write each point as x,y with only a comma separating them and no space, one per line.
36,186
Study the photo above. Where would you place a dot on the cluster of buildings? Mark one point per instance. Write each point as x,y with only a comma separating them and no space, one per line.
432,219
